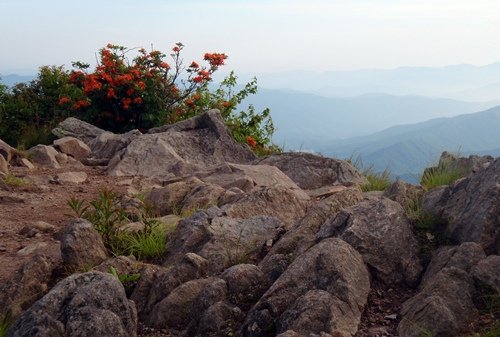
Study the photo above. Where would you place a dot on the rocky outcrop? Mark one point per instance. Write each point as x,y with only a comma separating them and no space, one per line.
464,165
311,171
405,194
76,239
331,273
90,304
73,127
179,149
486,274
381,232
470,208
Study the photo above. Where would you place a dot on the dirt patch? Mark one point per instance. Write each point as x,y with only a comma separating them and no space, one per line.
32,196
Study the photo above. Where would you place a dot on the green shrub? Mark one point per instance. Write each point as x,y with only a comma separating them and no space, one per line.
377,181
108,217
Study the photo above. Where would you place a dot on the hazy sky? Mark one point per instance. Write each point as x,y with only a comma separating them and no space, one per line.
258,35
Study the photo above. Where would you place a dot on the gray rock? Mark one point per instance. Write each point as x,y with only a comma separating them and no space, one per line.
443,307
76,239
73,127
223,241
71,177
331,271
156,283
29,283
180,301
311,171
24,162
6,151
73,146
403,193
220,319
381,232
463,257
107,144
90,304
62,158
470,208
170,199
32,248
288,205
464,165
486,273
44,155
246,283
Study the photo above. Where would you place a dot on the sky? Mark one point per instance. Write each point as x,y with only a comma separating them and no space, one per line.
259,36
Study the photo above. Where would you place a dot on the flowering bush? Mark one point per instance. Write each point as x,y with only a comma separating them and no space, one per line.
119,95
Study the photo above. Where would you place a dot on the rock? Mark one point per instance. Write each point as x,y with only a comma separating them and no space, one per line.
90,304
6,151
169,199
180,301
24,162
29,283
470,209
288,205
76,239
122,264
311,171
464,165
62,158
156,283
331,272
443,307
381,232
32,248
220,319
73,127
486,274
179,149
4,166
71,177
403,193
106,145
73,146
201,197
44,155
301,236
463,257
246,283
223,241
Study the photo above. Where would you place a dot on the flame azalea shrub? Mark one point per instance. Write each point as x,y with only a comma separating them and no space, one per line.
120,95
247,126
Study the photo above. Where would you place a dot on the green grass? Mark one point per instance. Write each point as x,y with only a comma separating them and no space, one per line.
147,246
12,180
4,325
377,181
441,175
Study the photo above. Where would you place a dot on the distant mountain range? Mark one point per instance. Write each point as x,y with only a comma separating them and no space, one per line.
305,120
12,79
463,82
406,150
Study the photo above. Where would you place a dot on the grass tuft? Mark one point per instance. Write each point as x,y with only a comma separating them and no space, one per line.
443,174
12,180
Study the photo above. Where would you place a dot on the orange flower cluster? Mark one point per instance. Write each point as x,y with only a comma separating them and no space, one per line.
80,104
203,75
64,100
215,59
251,142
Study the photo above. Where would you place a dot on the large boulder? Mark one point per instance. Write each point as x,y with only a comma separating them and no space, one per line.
379,229
76,239
107,144
4,166
311,171
486,274
6,151
73,127
29,283
301,236
73,146
323,291
90,304
470,208
444,307
44,155
222,240
179,149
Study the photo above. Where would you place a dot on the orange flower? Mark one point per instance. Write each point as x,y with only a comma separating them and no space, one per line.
80,104
126,103
130,91
164,65
194,65
189,102
63,100
176,49
215,59
137,100
141,85
111,93
226,104
251,142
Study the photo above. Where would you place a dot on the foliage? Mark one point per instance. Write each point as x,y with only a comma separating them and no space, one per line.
443,174
108,217
28,111
12,180
5,323
127,280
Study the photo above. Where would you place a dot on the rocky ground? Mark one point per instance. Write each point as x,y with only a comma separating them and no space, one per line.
286,245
